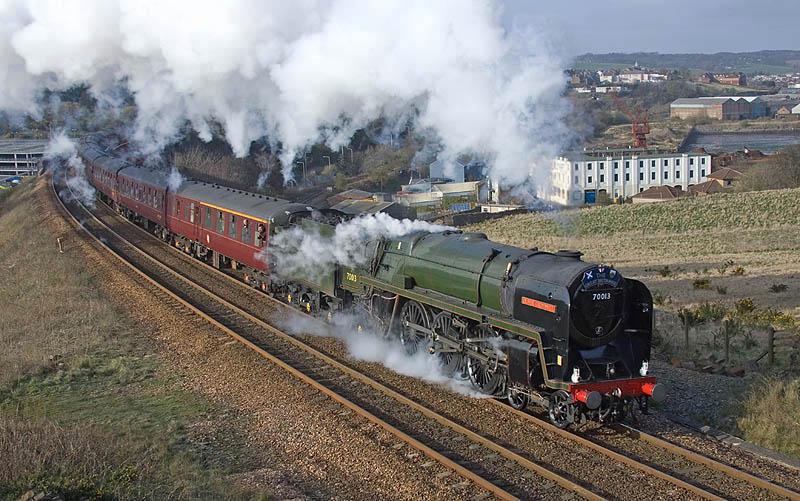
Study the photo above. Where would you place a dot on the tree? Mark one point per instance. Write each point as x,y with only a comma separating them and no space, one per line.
340,182
779,172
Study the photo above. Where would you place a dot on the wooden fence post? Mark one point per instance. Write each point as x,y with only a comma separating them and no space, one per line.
727,328
771,345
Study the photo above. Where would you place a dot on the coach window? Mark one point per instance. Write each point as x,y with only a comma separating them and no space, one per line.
220,222
232,227
177,208
186,212
261,234
207,220
246,231
191,214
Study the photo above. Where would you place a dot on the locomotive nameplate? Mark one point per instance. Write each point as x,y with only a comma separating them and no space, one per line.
539,305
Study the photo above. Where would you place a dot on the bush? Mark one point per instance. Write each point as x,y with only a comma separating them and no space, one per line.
702,283
710,312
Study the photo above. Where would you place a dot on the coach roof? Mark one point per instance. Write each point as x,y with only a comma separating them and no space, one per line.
243,203
152,177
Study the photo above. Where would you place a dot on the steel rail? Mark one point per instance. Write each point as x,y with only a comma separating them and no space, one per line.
404,437
711,463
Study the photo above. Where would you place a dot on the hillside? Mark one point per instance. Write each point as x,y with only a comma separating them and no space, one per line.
724,211
767,61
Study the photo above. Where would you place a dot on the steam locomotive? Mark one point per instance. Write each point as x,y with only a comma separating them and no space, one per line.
529,326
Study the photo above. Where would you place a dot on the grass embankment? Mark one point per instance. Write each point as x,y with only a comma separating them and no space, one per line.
735,254
86,409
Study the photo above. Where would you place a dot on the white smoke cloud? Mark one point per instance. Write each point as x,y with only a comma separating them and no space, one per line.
297,250
368,345
62,154
298,72
175,179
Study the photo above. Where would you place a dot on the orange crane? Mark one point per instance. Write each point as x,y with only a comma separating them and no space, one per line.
640,123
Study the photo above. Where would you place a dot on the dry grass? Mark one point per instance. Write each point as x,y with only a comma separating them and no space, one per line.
50,311
86,410
772,415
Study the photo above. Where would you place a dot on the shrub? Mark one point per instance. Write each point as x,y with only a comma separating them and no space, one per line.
778,288
724,266
744,306
702,283
659,299
738,271
710,312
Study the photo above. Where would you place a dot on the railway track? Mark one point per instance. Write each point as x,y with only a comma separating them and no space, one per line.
455,448
680,478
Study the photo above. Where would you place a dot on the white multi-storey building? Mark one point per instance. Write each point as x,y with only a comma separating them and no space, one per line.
578,178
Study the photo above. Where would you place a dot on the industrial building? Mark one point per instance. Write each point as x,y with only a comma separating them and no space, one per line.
720,108
20,157
579,178
426,198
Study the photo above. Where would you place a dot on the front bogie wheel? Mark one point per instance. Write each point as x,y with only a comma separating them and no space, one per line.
560,410
517,399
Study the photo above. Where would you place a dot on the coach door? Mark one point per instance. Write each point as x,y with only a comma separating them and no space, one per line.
194,220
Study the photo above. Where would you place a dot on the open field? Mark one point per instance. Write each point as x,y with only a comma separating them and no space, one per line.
714,253
87,408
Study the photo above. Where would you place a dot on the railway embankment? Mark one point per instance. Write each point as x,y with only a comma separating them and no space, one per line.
89,407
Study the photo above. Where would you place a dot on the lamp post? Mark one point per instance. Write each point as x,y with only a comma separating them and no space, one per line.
301,162
329,159
351,153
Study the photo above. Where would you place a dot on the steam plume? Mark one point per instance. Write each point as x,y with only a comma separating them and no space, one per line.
63,155
297,250
371,346
297,72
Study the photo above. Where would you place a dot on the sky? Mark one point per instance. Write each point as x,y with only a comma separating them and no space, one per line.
708,26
